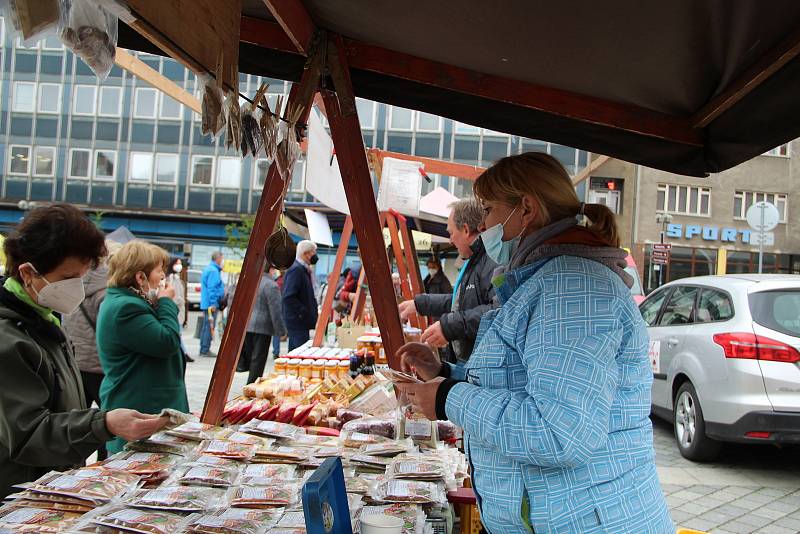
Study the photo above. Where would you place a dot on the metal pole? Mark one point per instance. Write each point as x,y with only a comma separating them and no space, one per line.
761,207
661,265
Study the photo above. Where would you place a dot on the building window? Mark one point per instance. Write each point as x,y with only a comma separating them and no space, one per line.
170,108
52,42
366,113
202,169
79,163
44,161
780,150
261,170
298,184
684,199
742,200
167,168
145,106
141,169
229,172
400,118
427,122
461,128
24,95
105,163
49,98
19,159
110,101
85,100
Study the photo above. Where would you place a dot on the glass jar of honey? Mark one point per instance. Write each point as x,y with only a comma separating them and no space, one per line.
293,367
281,365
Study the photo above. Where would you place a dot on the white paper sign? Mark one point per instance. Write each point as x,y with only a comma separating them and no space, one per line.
654,355
323,178
318,227
401,186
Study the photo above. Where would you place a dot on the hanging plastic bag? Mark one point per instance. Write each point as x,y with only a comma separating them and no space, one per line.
252,137
90,31
212,106
233,114
32,20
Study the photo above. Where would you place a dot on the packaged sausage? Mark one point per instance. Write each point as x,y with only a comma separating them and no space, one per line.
203,475
227,449
175,498
233,521
271,429
162,442
15,518
95,485
410,491
264,496
120,518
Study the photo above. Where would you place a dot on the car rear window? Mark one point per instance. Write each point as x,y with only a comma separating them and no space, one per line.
194,277
777,310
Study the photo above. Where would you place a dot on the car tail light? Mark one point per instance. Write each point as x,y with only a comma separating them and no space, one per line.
759,435
742,345
197,289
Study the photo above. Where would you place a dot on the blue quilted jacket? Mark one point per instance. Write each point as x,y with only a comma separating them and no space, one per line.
555,407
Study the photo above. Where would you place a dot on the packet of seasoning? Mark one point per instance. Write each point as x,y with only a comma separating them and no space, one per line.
233,521
203,475
175,498
227,449
18,518
271,429
162,442
195,431
118,518
264,497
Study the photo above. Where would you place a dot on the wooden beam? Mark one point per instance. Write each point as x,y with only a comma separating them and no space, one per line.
269,209
347,139
266,34
146,73
766,66
583,108
399,257
293,17
412,260
333,278
437,166
361,297
589,169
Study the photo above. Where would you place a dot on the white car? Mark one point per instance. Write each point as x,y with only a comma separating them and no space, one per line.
725,352
193,288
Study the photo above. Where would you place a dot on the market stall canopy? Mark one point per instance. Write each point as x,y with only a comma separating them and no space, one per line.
121,235
687,87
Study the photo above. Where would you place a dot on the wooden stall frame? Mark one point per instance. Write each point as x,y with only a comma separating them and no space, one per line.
326,312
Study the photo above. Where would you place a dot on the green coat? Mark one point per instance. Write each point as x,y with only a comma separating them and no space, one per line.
44,423
140,350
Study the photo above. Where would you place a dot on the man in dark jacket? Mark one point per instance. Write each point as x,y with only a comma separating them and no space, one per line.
460,312
266,321
299,303
436,282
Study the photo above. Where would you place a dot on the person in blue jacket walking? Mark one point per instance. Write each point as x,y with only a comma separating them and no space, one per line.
556,402
211,292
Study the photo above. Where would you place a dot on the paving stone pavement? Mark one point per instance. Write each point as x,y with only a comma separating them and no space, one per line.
749,489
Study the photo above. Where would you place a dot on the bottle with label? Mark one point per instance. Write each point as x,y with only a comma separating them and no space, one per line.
369,365
355,366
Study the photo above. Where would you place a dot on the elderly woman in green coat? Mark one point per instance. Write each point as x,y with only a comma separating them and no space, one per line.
138,336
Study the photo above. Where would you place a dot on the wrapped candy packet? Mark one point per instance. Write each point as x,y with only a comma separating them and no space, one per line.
175,498
16,518
233,521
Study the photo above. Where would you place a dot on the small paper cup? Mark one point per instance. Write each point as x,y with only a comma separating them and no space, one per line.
381,524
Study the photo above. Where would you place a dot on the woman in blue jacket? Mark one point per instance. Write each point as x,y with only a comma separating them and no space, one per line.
556,402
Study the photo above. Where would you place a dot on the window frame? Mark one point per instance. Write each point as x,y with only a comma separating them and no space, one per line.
160,155
161,115
75,111
374,115
44,46
412,121
255,186
462,128
14,88
131,157
192,168
220,160
741,194
776,151
702,191
94,165
692,312
136,97
36,150
10,160
40,99
100,100
726,294
419,128
668,293
72,152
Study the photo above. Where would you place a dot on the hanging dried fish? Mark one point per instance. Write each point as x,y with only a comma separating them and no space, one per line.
212,107
271,129
252,138
288,149
234,118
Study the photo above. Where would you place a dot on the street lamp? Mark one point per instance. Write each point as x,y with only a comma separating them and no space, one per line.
663,219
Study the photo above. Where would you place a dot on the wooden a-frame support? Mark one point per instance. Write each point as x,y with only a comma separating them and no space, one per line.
333,277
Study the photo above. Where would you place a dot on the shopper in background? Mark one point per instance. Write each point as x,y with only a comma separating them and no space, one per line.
212,291
45,423
276,340
556,405
266,321
299,304
81,328
174,279
459,313
346,294
436,282
138,335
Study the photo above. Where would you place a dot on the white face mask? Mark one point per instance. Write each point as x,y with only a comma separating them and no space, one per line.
63,296
433,272
177,268
498,250
151,293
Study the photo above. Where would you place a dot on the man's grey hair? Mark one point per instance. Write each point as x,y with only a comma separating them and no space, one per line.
216,255
304,246
467,211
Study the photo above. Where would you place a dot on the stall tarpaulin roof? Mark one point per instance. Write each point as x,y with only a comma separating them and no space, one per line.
690,87
121,235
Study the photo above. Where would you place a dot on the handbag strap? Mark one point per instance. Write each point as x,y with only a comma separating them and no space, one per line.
87,317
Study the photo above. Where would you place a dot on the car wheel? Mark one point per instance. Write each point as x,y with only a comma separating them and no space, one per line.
690,427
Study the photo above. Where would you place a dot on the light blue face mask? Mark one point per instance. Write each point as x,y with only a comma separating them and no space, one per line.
500,251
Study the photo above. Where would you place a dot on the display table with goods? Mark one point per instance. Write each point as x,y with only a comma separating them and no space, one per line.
249,475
